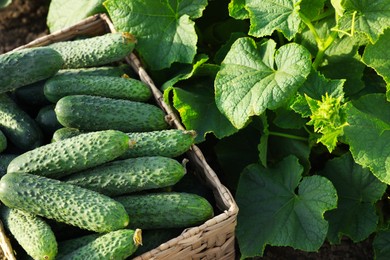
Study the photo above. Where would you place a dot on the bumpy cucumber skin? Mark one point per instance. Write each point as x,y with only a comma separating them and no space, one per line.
23,67
104,86
32,233
116,245
62,202
95,51
18,126
130,175
65,133
168,143
68,246
58,159
3,142
166,210
93,113
47,120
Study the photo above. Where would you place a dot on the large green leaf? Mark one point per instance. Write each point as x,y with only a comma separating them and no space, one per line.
255,77
164,29
271,212
267,16
63,14
368,134
377,56
198,111
358,190
365,16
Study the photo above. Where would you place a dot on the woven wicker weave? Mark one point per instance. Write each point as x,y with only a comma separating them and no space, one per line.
214,239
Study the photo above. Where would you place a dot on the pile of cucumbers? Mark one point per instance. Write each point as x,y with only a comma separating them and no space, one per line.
88,162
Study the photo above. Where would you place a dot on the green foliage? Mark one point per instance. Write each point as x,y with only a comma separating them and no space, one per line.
292,94
358,191
63,14
272,212
164,29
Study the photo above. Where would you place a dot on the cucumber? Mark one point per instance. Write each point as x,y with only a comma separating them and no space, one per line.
32,94
5,159
64,133
68,246
3,142
116,245
104,86
131,175
95,51
18,126
167,143
92,113
47,120
32,233
56,160
23,67
63,202
166,210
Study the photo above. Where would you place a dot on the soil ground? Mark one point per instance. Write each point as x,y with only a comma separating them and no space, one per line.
24,21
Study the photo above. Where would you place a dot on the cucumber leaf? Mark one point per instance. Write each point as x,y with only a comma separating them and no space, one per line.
164,29
358,190
237,9
271,212
63,14
197,109
381,245
248,82
368,134
377,56
368,17
267,16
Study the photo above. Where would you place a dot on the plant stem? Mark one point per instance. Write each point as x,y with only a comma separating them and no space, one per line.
295,137
322,47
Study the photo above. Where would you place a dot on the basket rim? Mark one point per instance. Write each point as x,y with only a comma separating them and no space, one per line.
224,199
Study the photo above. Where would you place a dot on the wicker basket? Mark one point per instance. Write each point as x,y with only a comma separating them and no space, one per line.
214,239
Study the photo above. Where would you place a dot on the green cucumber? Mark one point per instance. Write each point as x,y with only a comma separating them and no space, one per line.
166,210
95,51
69,245
18,126
47,120
65,133
58,159
32,94
32,233
116,245
92,113
23,67
63,202
168,143
104,86
3,142
5,159
130,175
